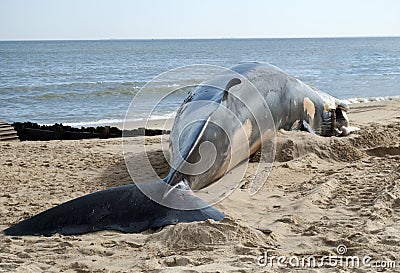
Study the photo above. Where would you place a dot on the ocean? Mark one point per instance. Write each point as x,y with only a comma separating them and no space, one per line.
90,83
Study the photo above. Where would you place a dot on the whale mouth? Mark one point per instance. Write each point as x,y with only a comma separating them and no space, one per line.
341,122
335,121
341,118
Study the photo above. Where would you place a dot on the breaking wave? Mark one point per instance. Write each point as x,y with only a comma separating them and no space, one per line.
371,99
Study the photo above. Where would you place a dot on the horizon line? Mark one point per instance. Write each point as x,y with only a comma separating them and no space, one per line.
198,38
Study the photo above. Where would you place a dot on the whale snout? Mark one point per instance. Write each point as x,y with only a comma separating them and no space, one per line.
207,159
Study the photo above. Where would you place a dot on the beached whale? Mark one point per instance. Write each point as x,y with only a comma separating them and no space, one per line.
220,124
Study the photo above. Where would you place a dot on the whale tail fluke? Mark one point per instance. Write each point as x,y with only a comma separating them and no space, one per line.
123,208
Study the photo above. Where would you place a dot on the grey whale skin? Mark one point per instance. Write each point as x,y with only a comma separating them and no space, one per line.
293,105
123,208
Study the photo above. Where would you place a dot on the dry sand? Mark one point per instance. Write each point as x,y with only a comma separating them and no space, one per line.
322,192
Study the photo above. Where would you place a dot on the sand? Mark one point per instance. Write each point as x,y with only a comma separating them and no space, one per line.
321,193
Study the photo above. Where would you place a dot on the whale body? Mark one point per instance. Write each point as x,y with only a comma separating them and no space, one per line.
219,125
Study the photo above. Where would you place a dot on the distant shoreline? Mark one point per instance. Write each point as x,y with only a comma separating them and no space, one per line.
196,39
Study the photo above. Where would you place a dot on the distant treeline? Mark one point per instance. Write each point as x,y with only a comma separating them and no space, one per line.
33,131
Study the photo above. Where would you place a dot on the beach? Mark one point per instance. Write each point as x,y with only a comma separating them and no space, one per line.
322,192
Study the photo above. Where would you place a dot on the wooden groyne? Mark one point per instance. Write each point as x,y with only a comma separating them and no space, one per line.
7,132
33,132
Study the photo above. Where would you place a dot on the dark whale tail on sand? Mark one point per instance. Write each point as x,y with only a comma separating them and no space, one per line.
124,208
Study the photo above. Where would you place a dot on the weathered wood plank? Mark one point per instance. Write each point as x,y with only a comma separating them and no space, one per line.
7,132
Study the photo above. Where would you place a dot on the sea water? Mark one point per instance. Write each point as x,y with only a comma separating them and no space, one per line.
89,83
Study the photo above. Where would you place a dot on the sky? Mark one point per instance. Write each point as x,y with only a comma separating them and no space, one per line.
153,19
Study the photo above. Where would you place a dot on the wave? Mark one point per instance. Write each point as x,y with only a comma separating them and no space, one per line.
101,122
74,94
80,92
369,99
116,122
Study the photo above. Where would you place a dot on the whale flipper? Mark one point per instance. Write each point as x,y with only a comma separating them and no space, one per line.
123,208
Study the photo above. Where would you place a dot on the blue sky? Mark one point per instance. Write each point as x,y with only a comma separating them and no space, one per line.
124,19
